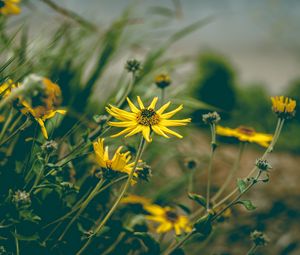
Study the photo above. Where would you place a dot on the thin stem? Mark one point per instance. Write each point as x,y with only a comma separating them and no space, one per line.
231,173
17,243
252,250
21,128
162,99
212,152
118,200
6,124
180,243
82,207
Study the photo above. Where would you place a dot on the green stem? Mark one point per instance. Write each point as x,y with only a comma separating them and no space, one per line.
162,99
210,164
82,207
6,124
119,198
21,128
17,243
40,174
180,243
231,173
252,250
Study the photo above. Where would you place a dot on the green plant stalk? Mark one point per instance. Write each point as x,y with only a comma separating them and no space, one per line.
231,173
118,200
6,124
252,250
210,164
17,243
82,207
162,99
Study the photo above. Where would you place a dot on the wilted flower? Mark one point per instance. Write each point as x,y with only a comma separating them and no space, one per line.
146,119
50,146
168,219
284,107
133,65
259,238
9,7
145,173
245,134
21,198
162,80
263,164
211,118
120,162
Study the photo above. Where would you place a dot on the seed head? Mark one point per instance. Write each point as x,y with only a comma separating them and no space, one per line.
211,118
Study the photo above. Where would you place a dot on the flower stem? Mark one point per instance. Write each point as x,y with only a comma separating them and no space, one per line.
82,207
118,200
212,152
252,250
231,173
162,99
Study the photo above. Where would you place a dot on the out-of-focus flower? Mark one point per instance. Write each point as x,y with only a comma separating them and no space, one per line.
259,238
245,134
162,80
9,7
134,199
133,65
146,119
120,162
168,219
42,105
284,107
21,198
7,86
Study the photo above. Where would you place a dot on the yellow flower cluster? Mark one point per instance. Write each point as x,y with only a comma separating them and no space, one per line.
9,7
284,107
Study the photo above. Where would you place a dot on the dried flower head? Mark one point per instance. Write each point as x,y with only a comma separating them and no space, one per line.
263,164
145,173
146,119
133,65
9,7
162,80
21,198
259,238
50,146
284,107
211,118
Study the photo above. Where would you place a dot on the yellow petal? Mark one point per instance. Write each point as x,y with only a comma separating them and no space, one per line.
146,133
43,128
140,103
132,107
153,103
163,108
171,113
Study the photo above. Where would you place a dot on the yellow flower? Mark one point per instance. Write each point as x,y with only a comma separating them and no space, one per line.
245,134
146,119
120,162
6,87
168,219
42,105
134,199
284,107
8,7
162,80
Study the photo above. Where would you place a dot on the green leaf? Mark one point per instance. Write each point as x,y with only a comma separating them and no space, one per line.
149,242
203,225
247,204
198,199
242,185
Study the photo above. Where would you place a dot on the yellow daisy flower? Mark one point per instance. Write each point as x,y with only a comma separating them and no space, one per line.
120,162
43,105
134,199
245,134
8,7
168,219
146,119
284,107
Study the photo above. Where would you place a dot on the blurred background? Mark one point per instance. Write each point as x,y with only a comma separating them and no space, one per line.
229,54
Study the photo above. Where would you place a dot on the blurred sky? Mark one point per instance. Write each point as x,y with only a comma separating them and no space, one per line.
260,37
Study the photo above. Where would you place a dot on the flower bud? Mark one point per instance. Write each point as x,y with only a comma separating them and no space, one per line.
211,118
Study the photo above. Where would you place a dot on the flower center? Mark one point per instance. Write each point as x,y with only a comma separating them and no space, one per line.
171,216
246,130
148,117
2,3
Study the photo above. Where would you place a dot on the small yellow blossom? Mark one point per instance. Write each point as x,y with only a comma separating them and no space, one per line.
284,107
245,134
6,87
162,80
120,162
168,219
9,7
146,119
